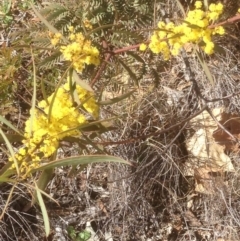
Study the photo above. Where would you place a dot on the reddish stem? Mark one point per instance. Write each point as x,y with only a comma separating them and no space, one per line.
101,69
108,56
228,21
122,50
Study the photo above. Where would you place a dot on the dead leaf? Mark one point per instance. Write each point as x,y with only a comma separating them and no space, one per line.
207,155
102,207
191,218
232,123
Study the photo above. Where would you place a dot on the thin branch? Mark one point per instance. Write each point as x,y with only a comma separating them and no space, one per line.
228,21
158,132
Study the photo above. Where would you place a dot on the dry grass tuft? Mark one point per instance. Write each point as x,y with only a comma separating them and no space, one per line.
154,199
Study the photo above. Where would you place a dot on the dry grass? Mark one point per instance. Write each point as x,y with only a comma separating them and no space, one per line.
153,199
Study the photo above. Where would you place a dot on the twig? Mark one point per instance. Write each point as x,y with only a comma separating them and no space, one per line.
228,21
158,132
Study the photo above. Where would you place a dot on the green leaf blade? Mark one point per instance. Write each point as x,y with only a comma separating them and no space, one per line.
81,160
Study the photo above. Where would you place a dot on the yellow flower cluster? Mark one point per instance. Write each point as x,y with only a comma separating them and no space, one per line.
87,24
55,38
42,135
80,51
170,38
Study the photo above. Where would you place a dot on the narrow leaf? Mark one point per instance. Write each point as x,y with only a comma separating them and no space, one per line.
50,27
181,8
83,126
81,160
205,68
7,123
130,72
34,97
6,171
83,84
44,179
4,179
44,211
205,3
7,202
137,57
12,138
116,99
10,148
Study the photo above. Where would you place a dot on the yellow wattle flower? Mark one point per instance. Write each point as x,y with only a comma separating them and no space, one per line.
170,38
42,137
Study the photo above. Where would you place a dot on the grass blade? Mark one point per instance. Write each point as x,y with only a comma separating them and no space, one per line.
81,160
44,211
10,148
7,202
34,98
205,68
48,25
181,8
12,138
116,99
7,123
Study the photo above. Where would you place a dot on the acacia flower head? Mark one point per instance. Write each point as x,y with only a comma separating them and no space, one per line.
42,134
170,38
55,38
79,51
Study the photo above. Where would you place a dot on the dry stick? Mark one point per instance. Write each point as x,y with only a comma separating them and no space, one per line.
172,127
158,132
223,98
